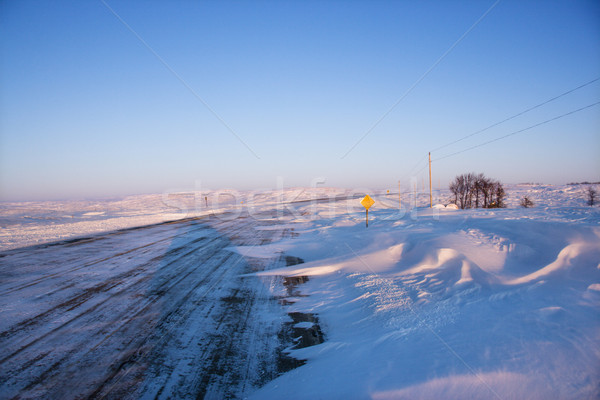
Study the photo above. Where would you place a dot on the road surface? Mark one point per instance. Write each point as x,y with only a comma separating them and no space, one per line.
152,312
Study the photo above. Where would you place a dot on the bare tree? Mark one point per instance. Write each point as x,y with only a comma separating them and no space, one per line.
591,195
457,188
479,189
462,191
499,195
475,190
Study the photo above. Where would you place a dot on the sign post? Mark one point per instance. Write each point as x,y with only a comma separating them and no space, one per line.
367,202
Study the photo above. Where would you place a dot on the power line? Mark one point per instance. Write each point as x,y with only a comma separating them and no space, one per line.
417,164
421,170
516,115
519,131
410,172
410,89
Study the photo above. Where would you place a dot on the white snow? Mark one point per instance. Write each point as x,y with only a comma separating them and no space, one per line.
424,303
30,223
468,304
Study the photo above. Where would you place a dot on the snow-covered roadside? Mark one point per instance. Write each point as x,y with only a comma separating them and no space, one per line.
449,304
30,223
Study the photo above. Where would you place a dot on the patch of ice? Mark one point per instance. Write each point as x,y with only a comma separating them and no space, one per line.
304,325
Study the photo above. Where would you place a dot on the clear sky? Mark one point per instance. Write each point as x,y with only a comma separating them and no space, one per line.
155,96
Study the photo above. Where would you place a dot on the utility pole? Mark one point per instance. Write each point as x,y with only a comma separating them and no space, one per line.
430,194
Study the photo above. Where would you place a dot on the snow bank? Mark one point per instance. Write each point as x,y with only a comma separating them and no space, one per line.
467,304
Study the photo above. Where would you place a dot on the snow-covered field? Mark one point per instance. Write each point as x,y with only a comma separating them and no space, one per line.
451,304
31,223
424,303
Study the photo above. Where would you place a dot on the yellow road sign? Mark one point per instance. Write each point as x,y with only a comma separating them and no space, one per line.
367,202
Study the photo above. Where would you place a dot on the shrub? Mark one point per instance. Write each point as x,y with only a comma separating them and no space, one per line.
591,195
526,202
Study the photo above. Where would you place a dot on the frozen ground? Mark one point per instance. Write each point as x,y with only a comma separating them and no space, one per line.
421,304
31,223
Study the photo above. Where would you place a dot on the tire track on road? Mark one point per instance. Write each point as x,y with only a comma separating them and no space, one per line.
115,341
164,287
60,273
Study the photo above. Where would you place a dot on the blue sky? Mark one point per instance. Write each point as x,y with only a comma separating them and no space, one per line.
87,108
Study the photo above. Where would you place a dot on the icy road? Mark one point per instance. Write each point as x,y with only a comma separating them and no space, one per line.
153,312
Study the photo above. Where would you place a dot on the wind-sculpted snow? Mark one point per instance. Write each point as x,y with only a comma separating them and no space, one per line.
456,304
